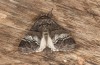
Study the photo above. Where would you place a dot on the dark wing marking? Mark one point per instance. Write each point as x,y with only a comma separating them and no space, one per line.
30,43
45,22
62,40
65,44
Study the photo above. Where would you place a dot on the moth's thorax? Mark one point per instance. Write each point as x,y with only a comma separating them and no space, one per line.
45,35
45,32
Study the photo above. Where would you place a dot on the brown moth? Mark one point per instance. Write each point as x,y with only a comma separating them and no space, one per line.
46,33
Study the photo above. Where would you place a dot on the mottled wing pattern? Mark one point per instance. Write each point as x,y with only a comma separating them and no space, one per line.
46,33
62,39
30,43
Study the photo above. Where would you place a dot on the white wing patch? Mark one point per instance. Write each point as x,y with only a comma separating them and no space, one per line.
37,39
28,38
42,44
50,44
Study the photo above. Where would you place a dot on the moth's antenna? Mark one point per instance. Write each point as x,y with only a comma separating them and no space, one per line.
50,12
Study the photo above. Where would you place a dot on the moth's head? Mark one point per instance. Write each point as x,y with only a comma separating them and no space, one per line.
45,22
46,15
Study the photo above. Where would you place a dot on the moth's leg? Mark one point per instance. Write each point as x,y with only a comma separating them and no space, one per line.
50,44
42,45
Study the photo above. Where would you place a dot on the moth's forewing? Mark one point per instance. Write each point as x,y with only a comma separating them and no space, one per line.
65,44
62,40
30,43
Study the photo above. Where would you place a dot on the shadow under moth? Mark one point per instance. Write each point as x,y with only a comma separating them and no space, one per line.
46,33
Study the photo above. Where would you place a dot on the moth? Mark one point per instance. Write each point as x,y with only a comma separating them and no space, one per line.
46,33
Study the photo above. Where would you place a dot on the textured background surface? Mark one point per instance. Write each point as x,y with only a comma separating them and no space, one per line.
81,17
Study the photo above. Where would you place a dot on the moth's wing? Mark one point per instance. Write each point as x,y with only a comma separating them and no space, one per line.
62,40
65,45
30,43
